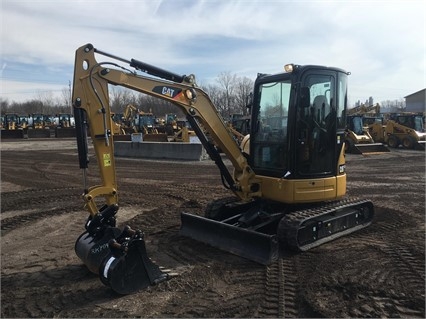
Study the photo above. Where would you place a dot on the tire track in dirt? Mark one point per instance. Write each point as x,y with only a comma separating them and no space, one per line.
58,300
190,258
376,272
15,222
273,304
55,201
350,284
290,289
32,198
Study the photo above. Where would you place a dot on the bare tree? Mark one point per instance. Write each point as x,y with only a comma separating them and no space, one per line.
392,106
4,105
47,102
116,99
30,107
229,95
216,96
227,82
244,87
66,98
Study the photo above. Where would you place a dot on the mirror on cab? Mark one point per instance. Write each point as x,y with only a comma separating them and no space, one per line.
249,100
305,97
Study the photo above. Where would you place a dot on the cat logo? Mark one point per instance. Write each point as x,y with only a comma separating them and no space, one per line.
167,91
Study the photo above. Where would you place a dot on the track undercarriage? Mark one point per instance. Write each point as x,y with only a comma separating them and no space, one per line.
257,230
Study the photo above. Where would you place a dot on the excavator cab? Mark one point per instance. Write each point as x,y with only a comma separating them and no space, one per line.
297,138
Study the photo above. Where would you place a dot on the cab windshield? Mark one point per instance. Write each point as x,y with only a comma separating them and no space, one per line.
357,125
418,124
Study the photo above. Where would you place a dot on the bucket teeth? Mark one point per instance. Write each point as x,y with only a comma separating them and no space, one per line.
169,272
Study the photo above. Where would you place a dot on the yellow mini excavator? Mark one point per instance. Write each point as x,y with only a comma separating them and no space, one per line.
288,187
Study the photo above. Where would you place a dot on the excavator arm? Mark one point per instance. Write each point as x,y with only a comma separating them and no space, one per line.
93,114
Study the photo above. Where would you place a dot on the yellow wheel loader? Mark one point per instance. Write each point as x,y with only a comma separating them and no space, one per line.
12,126
288,189
37,126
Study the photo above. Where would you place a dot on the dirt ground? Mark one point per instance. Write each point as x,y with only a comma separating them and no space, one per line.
376,272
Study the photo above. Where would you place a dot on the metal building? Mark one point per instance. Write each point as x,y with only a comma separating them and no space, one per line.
416,102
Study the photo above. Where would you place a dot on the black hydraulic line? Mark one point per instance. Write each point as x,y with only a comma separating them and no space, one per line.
144,67
81,134
111,56
213,153
156,71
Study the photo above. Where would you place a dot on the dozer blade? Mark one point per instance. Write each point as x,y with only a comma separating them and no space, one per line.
256,246
420,145
369,148
39,133
62,132
12,134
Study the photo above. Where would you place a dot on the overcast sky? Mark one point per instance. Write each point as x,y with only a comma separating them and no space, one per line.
382,43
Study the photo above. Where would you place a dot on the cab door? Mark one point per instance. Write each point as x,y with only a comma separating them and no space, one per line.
315,133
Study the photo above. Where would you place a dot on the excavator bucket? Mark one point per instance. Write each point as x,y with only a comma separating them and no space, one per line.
93,248
369,148
120,259
253,245
127,268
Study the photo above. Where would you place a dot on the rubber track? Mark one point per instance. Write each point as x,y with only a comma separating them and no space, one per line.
290,224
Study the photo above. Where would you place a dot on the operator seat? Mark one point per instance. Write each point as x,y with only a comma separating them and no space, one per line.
320,106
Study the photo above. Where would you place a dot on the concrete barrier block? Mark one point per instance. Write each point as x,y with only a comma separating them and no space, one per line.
159,150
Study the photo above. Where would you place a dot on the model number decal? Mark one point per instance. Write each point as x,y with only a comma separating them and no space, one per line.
167,91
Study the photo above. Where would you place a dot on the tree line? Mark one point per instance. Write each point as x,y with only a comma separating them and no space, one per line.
228,93
387,106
